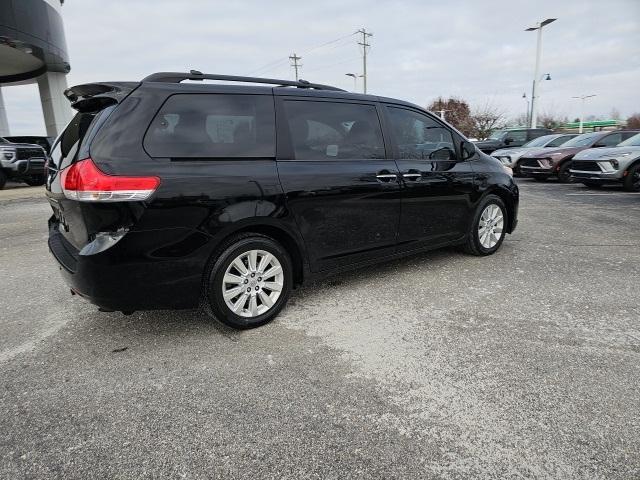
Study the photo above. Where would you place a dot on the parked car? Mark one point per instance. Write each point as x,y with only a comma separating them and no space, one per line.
511,137
172,195
21,162
557,162
620,164
44,142
511,156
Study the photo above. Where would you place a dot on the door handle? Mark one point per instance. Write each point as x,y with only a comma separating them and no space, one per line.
386,176
413,175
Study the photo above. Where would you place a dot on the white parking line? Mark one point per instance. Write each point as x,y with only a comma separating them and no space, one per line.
603,194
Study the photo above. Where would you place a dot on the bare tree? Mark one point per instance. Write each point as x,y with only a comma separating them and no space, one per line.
486,119
521,120
634,121
457,112
552,120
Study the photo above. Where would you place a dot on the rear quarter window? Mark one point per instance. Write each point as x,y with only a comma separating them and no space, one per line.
213,126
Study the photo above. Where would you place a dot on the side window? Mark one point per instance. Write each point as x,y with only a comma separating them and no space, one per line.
610,140
559,141
520,136
420,137
213,126
322,130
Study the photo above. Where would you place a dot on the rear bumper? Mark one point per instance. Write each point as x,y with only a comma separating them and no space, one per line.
125,277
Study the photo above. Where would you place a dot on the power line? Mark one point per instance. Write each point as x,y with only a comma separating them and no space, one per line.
294,63
364,45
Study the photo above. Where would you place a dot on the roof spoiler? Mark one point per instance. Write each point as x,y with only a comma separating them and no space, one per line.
93,97
177,77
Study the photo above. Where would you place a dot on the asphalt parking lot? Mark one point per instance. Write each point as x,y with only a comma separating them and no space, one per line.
523,364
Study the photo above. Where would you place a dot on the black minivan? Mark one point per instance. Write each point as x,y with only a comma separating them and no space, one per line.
178,193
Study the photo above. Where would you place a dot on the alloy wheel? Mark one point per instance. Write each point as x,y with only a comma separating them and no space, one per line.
252,283
491,226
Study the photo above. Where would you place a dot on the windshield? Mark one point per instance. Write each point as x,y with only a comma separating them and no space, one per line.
539,142
631,142
582,140
497,135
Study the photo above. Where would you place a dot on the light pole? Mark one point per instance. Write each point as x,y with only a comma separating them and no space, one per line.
534,103
355,80
524,95
582,99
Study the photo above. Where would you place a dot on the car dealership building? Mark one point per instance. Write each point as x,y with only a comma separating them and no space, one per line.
33,50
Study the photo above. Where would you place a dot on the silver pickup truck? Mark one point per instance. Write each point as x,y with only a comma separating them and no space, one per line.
21,162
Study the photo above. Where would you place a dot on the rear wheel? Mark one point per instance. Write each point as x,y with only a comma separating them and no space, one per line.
3,179
249,282
632,179
488,227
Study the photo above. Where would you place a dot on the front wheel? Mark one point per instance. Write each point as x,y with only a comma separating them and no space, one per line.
488,227
564,173
632,179
249,282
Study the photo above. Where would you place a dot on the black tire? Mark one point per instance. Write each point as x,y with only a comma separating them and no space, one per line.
472,245
564,175
540,178
213,301
35,181
592,184
632,179
3,179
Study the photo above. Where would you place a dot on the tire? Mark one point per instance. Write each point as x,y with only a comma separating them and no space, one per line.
540,178
35,181
223,264
632,179
592,184
564,175
474,245
3,179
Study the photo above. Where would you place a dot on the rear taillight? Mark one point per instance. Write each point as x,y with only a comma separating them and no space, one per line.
83,181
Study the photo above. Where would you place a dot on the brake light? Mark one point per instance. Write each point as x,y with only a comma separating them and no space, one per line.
83,181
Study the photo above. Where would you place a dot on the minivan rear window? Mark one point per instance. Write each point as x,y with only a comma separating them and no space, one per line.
65,151
213,126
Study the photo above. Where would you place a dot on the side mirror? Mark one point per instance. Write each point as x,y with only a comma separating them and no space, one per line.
508,141
598,145
468,149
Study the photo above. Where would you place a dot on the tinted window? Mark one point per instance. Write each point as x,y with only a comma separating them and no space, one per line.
539,142
631,141
420,137
560,140
213,126
321,130
66,149
610,140
519,136
582,140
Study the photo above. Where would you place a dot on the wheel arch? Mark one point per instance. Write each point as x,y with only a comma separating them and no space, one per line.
281,234
507,197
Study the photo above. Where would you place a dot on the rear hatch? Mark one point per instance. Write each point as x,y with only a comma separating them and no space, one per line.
75,219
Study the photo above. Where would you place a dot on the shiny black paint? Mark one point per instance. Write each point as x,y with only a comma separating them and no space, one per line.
332,215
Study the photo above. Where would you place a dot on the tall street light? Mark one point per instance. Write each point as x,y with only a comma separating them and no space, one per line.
355,80
524,95
582,99
536,75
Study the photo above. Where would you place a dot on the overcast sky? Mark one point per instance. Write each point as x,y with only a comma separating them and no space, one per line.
421,49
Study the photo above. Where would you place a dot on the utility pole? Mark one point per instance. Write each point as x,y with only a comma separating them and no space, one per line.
582,99
534,90
364,44
441,113
294,63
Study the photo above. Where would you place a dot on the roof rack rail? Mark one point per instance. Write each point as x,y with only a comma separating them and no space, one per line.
177,77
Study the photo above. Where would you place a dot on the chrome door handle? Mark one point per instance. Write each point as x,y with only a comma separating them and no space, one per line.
412,175
386,176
